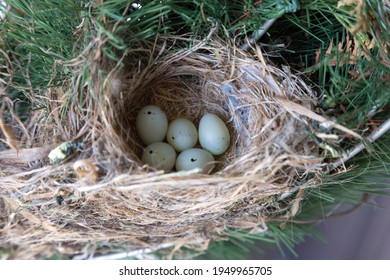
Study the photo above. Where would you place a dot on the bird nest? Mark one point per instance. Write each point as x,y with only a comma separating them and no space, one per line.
99,197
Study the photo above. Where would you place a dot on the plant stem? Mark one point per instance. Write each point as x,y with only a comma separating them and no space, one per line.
382,129
258,34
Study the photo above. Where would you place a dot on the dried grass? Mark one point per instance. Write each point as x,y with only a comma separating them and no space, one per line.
133,206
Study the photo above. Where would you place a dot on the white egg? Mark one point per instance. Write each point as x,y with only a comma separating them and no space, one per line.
151,124
213,134
195,158
182,134
160,155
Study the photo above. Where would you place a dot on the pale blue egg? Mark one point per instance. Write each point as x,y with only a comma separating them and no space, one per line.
213,134
195,158
160,155
182,134
151,124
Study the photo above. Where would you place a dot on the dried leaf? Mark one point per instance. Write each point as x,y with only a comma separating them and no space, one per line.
348,3
9,135
25,155
86,170
362,22
349,49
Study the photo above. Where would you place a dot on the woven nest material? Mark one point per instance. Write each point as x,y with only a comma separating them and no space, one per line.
112,201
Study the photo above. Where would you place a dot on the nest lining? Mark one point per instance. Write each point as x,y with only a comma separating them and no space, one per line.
135,205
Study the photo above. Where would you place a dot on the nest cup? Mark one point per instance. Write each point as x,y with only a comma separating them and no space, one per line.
132,205
268,149
217,78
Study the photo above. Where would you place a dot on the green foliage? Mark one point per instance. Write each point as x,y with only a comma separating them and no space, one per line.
243,245
195,16
36,34
349,70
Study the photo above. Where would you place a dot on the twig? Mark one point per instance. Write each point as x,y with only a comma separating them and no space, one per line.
382,129
258,34
136,253
4,9
290,6
375,135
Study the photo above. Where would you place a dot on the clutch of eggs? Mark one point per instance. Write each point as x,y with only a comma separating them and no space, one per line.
182,136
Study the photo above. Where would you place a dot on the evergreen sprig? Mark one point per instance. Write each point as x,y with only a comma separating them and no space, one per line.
349,68
36,34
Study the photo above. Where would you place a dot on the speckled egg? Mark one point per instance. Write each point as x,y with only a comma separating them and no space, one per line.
151,124
213,134
160,155
195,158
182,134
